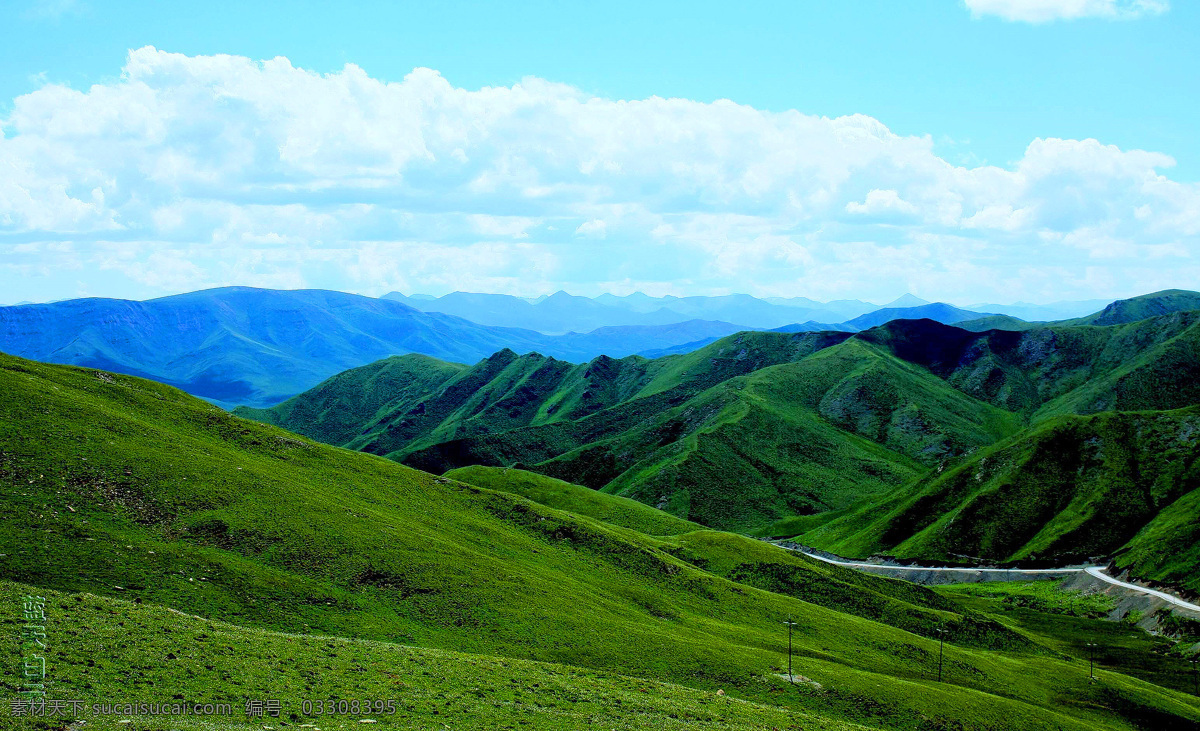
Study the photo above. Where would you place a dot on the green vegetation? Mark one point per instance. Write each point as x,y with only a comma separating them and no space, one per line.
336,409
1121,312
1042,596
127,489
106,649
1142,308
856,443
997,322
1071,488
1059,619
575,499
755,563
807,422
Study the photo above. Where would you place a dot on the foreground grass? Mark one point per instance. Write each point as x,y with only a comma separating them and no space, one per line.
107,651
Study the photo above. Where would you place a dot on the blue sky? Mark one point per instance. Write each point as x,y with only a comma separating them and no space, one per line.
953,160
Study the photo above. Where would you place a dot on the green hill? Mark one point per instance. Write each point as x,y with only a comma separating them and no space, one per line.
997,322
757,427
1119,312
669,431
506,391
1142,308
801,437
1072,488
335,410
1052,370
127,489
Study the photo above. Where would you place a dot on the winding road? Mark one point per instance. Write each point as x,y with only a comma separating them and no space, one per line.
1099,574
1095,571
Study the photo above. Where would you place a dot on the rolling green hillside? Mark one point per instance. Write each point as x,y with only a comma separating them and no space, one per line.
1120,312
736,557
1026,372
803,432
757,427
800,437
507,391
335,410
1072,488
1142,307
997,322
128,489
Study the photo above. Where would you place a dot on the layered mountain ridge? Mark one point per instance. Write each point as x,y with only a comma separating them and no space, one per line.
760,427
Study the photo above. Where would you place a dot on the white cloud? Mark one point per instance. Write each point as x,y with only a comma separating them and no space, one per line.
595,229
263,173
1043,11
882,203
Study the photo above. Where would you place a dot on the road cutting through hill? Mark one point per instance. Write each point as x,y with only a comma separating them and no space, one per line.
1095,571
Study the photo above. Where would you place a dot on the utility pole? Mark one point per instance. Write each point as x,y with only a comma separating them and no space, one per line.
789,624
1195,675
1092,661
941,645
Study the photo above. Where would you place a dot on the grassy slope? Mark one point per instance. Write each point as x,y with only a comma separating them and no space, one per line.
1167,549
1024,372
106,649
1142,307
796,438
1151,364
1071,488
1120,312
507,391
575,499
997,322
808,421
1069,620
1047,597
802,436
832,425
747,561
123,487
335,410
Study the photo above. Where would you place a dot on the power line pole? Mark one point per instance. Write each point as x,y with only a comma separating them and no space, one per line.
1195,675
941,645
789,624
1092,661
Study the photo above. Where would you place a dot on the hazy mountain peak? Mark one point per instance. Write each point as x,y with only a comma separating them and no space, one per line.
907,300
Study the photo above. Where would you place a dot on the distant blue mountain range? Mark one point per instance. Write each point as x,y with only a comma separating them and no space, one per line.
940,311
241,345
562,312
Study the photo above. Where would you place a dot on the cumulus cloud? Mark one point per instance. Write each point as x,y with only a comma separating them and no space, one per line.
594,229
1043,11
882,204
212,170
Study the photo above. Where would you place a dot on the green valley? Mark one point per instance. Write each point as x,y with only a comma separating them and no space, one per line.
121,496
855,443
